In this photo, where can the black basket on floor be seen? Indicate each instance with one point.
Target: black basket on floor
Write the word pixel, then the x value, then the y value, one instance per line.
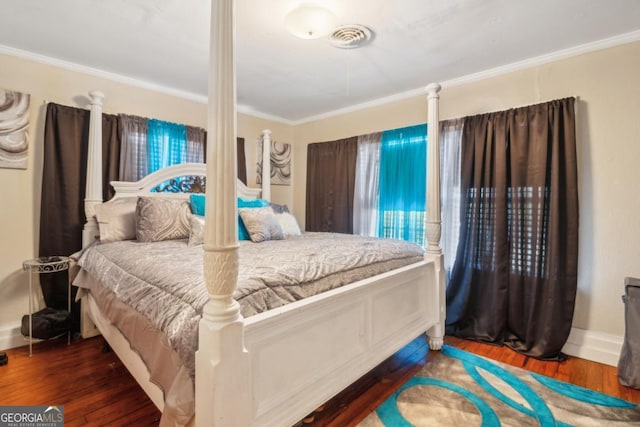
pixel 47 323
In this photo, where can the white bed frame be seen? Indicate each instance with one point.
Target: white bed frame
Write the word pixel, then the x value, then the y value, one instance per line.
pixel 274 368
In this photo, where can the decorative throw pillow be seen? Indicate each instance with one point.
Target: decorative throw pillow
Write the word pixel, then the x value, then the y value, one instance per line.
pixel 278 209
pixel 196 233
pixel 243 203
pixel 197 203
pixel 162 219
pixel 117 219
pixel 261 224
pixel 288 224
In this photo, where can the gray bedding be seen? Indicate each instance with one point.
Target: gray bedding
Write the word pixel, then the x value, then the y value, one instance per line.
pixel 163 283
pixel 164 280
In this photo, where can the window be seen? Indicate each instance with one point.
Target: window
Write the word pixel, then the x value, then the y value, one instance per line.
pixel 149 145
pixel 402 182
pixel 527 224
pixel 168 145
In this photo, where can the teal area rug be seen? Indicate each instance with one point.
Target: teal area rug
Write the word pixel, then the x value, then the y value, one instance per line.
pixel 457 388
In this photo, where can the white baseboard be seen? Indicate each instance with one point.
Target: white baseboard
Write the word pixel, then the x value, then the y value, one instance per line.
pixel 10 336
pixel 595 346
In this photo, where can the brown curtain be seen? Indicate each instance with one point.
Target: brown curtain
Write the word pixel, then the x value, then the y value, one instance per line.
pixel 63 186
pixel 330 185
pixel 515 275
pixel 242 161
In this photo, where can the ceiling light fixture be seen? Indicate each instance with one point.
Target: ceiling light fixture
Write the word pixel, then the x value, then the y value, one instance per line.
pixel 310 21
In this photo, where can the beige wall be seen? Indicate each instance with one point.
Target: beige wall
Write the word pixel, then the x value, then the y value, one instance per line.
pixel 607 85
pixel 20 192
pixel 279 132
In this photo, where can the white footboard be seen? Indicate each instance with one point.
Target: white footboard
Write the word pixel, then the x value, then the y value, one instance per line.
pixel 305 353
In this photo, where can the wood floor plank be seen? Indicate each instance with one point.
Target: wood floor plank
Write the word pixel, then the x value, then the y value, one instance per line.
pixel 564 371
pixel 579 372
pixel 81 377
pixel 610 383
pixel 97 390
pixel 146 415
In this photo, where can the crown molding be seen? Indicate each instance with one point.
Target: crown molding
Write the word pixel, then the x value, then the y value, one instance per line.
pixel 492 72
pixel 546 59
pixel 245 109
pixel 72 66
pixel 249 111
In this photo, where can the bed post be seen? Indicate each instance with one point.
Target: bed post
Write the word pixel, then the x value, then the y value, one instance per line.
pixel 93 189
pixel 266 164
pixel 433 218
pixel 93 194
pixel 222 363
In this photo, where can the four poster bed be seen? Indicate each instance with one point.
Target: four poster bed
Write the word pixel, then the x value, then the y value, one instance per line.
pixel 276 364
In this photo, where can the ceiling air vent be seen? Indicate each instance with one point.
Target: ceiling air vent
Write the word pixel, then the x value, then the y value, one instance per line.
pixel 350 36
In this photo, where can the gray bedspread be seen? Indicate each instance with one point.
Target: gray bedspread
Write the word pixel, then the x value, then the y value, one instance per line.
pixel 164 280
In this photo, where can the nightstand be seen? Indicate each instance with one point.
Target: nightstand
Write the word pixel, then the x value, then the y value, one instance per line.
pixel 42 265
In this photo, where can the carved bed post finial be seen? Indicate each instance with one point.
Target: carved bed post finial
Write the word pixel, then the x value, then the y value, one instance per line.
pixel 266 164
pixel 432 221
pixel 222 363
pixel 93 189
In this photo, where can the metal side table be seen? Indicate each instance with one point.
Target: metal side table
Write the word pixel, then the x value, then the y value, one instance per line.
pixel 51 264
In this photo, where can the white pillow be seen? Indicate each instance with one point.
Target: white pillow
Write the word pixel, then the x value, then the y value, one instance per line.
pixel 196 235
pixel 288 224
pixel 117 219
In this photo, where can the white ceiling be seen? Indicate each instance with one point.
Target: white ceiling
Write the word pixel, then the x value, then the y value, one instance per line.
pixel 164 43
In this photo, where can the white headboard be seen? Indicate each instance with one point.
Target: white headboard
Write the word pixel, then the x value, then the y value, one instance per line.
pixel 153 180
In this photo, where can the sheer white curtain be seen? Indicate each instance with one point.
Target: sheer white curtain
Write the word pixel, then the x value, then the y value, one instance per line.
pixel 195 145
pixel 134 157
pixel 450 140
pixel 365 197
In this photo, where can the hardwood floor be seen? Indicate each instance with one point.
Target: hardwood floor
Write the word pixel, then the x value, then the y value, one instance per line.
pixel 96 389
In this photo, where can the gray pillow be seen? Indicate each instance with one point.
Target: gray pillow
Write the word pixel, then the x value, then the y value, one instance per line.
pixel 261 224
pixel 162 219
pixel 278 209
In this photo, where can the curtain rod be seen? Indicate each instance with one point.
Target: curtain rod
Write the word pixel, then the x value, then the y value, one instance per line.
pixel 576 97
